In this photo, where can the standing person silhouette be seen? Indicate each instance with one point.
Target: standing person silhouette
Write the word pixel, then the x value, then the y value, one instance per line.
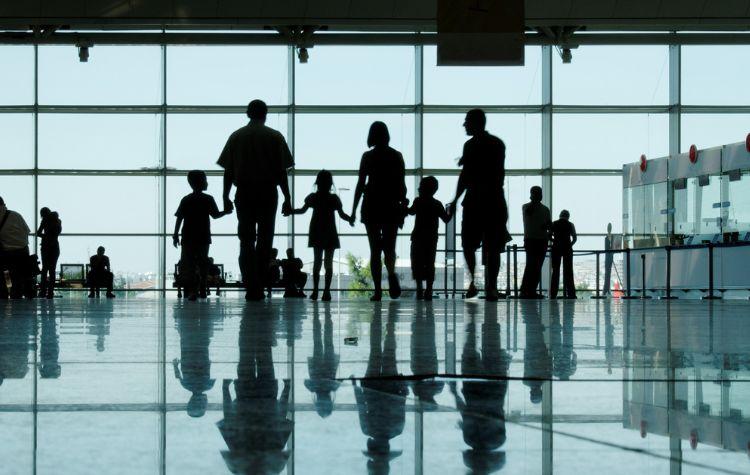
pixel 608 259
pixel 255 160
pixel 485 216
pixel 49 230
pixel 563 238
pixel 14 252
pixel 382 182
pixel 536 226
pixel 424 237
pixel 323 236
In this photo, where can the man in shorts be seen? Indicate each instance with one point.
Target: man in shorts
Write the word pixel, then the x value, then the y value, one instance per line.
pixel 485 214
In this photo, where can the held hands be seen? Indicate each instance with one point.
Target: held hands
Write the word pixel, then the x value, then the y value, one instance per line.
pixel 228 205
pixel 450 208
pixel 286 208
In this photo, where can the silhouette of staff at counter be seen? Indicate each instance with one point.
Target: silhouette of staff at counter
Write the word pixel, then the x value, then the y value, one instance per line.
pixel 481 409
pixel 381 401
pixel 255 425
pixel 323 364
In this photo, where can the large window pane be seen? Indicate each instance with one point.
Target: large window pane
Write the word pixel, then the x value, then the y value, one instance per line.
pixel 195 141
pixel 99 141
pixel 18 194
pixel 511 85
pixel 607 140
pixel 337 141
pixel 715 75
pixel 356 75
pixel 227 75
pixel 444 138
pixel 710 130
pixel 16 141
pixel 17 79
pixel 102 204
pixel 116 75
pixel 613 75
pixel 593 201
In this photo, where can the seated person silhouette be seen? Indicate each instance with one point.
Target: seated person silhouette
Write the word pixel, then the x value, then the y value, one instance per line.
pixel 214 276
pixel 293 278
pixel 100 274
pixel 274 271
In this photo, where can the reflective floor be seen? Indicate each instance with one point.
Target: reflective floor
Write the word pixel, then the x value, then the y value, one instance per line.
pixel 164 386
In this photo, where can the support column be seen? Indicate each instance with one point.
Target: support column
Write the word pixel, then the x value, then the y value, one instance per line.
pixel 547 125
pixel 675 110
pixel 290 137
pixel 162 188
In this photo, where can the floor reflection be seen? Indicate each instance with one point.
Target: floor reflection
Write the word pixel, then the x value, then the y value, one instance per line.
pixel 424 387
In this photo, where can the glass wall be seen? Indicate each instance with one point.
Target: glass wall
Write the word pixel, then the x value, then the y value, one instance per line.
pixel 107 143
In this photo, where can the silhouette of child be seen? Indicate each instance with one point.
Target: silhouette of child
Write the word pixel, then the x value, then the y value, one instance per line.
pixel 424 237
pixel 194 212
pixel 323 237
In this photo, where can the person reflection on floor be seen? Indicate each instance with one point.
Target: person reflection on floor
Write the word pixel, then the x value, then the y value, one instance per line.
pixel 609 337
pixel 193 368
pixel 15 332
pixel 323 365
pixel 564 359
pixel 381 401
pixel 424 359
pixel 537 363
pixel 98 320
pixel 49 345
pixel 255 425
pixel 482 413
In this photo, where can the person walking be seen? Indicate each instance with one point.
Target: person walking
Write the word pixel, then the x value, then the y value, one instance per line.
pixel 383 185
pixel 536 227
pixel 49 230
pixel 255 160
pixel 323 236
pixel 485 215
pixel 563 238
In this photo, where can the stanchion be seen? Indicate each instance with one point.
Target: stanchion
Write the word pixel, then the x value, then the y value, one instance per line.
pixel 507 271
pixel 711 295
pixel 515 271
pixel 668 286
pixel 643 278
pixel 598 294
pixel 628 293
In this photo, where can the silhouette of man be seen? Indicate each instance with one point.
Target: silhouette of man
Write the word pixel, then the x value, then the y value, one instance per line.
pixel 193 368
pixel 485 215
pixel 536 227
pixel 563 238
pixel 381 401
pixel 49 230
pixel 564 358
pixel 256 427
pixel 537 362
pixel 14 252
pixel 100 274
pixel 293 277
pixel 424 360
pixel 608 259
pixel 323 365
pixel 482 413
pixel 255 160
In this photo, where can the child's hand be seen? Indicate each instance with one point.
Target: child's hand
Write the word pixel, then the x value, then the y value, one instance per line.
pixel 351 221
pixel 176 240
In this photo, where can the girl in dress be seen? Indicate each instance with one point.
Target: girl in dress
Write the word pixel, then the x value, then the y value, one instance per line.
pixel 323 236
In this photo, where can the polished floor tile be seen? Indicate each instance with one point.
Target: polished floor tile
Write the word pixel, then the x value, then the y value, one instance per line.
pixel 153 385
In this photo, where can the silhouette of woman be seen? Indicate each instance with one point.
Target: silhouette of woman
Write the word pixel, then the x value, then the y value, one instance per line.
pixel 382 182
pixel 49 230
